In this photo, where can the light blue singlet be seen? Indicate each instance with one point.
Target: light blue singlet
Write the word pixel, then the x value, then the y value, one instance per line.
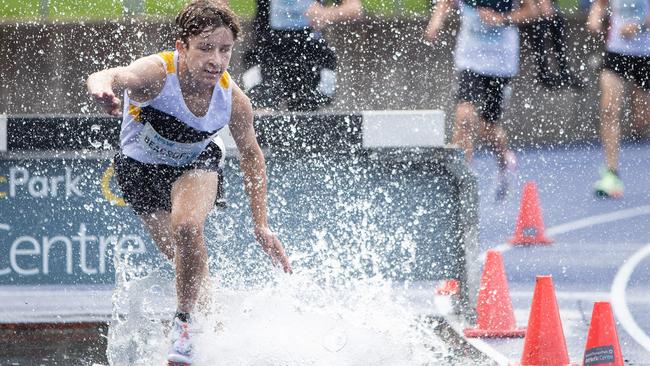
pixel 629 11
pixel 289 14
pixel 486 50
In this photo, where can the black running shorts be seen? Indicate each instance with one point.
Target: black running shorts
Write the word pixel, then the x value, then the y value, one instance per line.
pixel 630 68
pixel 291 71
pixel 485 92
pixel 147 187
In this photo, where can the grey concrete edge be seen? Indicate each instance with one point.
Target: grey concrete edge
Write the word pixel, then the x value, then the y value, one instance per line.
pixel 452 160
pixel 468 230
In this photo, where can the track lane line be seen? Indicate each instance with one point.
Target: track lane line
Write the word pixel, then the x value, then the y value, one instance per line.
pixel 599 219
pixel 619 299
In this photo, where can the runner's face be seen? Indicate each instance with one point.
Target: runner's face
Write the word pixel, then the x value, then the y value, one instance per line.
pixel 208 55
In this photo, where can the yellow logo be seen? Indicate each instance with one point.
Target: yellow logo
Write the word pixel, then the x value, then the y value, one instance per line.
pixel 3 180
pixel 106 188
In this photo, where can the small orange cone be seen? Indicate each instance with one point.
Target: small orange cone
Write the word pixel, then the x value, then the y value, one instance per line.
pixel 602 341
pixel 544 343
pixel 495 318
pixel 530 226
pixel 448 287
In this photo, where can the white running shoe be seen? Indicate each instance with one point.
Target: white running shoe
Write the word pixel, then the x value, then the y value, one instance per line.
pixel 180 352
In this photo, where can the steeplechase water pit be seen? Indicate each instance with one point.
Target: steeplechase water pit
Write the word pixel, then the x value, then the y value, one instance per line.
pixel 373 209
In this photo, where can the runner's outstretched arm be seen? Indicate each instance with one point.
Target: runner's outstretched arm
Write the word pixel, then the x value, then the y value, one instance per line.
pixel 322 16
pixel 254 168
pixel 596 16
pixel 437 20
pixel 144 78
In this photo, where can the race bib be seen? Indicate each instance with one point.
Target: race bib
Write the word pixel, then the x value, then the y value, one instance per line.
pixel 168 151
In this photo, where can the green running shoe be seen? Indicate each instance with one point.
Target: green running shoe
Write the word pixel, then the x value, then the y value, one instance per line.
pixel 609 185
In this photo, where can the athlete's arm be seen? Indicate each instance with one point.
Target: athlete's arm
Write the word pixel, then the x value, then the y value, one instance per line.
pixel 437 20
pixel 144 78
pixel 321 16
pixel 596 16
pixel 254 168
pixel 546 9
pixel 526 12
pixel 631 28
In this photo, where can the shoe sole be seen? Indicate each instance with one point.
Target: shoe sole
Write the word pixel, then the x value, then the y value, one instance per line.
pixel 603 194
pixel 174 360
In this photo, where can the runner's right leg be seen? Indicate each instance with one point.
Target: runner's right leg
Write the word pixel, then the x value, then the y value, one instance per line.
pixel 612 88
pixel 641 111
pixel 496 137
pixel 465 128
pixel 192 197
pixel 158 225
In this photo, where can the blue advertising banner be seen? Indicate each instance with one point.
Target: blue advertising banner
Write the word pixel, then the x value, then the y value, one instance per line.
pixel 340 216
pixel 62 221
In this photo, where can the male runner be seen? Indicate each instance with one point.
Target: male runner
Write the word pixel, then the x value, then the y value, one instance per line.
pixel 627 60
pixel 290 65
pixel 486 59
pixel 175 103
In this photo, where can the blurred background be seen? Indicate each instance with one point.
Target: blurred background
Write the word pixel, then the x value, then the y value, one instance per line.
pixel 49 48
pixel 94 9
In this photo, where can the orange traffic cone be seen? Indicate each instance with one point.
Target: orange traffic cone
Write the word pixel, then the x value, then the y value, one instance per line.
pixel 544 343
pixel 530 226
pixel 495 318
pixel 602 341
pixel 448 287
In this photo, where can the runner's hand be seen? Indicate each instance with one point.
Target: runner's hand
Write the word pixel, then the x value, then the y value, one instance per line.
pixel 272 246
pixel 491 17
pixel 630 30
pixel 107 101
pixel 318 16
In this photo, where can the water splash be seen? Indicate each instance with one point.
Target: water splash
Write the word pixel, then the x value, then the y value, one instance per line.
pixel 293 321
pixel 347 301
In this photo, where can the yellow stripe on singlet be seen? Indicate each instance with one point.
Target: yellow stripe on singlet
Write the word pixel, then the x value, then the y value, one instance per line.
pixel 168 56
pixel 135 112
pixel 224 82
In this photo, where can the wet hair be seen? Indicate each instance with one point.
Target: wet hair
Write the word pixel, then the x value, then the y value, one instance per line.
pixel 199 16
